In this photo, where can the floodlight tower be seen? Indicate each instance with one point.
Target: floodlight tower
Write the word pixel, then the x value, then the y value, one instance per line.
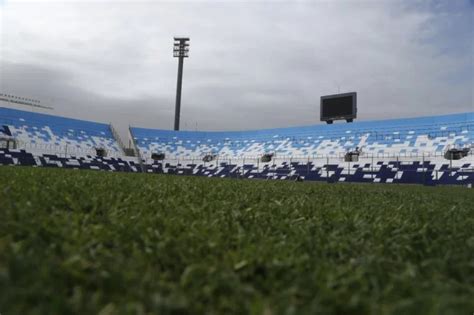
pixel 181 51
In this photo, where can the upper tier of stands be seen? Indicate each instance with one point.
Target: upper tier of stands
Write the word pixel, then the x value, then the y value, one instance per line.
pixel 385 137
pixel 47 133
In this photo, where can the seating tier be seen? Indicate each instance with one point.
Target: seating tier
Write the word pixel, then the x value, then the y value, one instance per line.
pixel 41 133
pixel 386 137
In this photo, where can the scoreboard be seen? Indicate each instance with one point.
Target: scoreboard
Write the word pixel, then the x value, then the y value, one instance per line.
pixel 339 107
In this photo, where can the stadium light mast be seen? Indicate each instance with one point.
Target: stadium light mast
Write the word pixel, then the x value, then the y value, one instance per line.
pixel 181 51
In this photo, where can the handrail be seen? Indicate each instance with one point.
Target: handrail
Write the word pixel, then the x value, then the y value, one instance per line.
pixel 136 150
pixel 61 150
pixel 426 154
pixel 117 138
pixel 401 158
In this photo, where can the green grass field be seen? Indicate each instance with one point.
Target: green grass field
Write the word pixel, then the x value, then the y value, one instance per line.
pixel 85 242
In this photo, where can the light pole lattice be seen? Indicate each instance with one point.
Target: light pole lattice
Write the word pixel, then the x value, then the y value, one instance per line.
pixel 181 51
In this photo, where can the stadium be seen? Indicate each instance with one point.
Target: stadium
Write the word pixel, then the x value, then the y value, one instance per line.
pixel 424 150
pixel 347 215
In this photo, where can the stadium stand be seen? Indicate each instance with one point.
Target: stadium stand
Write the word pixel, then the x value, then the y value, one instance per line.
pixel 415 150
pixel 21 157
pixel 390 151
pixel 42 134
pixel 379 138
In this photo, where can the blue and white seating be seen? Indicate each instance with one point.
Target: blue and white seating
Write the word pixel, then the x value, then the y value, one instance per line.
pixel 390 171
pixel 392 151
pixel 48 134
pixel 395 171
pixel 21 157
pixel 413 136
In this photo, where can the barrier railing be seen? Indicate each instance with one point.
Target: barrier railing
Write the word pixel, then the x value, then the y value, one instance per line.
pixel 316 161
pixel 63 151
pixel 339 155
pixel 73 150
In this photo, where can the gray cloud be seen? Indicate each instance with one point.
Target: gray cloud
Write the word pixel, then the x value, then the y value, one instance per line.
pixel 55 88
pixel 252 65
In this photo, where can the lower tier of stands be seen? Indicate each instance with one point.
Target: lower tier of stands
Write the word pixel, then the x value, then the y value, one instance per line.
pixel 21 157
pixel 427 171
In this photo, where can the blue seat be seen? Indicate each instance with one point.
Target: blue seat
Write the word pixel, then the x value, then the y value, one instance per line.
pixel 414 135
pixel 41 132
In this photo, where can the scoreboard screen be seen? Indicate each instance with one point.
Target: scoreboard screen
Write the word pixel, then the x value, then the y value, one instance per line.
pixel 339 106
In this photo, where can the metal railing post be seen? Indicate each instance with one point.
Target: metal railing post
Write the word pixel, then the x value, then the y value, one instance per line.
pixel 372 169
pixel 327 169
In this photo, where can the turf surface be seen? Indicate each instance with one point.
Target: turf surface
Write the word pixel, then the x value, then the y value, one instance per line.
pixel 85 242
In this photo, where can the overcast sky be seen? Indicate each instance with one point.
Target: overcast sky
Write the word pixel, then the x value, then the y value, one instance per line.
pixel 253 64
